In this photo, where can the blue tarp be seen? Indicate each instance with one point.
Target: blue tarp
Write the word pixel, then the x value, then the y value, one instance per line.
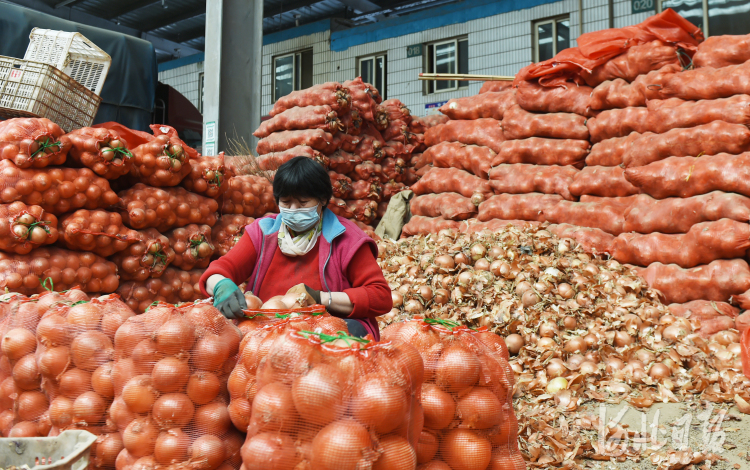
pixel 128 92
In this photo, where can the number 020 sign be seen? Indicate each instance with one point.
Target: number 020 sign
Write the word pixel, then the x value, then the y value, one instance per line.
pixel 639 6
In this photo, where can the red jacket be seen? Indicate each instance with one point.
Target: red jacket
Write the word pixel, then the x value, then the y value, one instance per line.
pixel 346 262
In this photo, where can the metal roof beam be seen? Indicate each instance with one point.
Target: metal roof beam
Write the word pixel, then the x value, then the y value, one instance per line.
pixel 287 7
pixel 363 6
pixel 186 35
pixel 132 6
pixel 173 19
pixel 67 3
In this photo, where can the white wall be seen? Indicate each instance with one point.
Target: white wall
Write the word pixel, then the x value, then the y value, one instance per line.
pixel 498 45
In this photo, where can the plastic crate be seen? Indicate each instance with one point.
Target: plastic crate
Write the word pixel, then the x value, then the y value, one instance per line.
pixel 68 451
pixel 33 89
pixel 72 53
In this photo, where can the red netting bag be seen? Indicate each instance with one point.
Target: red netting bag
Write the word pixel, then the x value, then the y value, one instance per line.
pixel 521 179
pixel 161 162
pixel 368 149
pixel 23 228
pixel 170 406
pixel 419 225
pixel 56 190
pixel 451 180
pixel 637 60
pixel 273 161
pixel 343 162
pixel 390 189
pixel 365 171
pixel 393 169
pixel 722 51
pixel 208 176
pixel 419 125
pixel 174 286
pixel 570 99
pixel 493 226
pixel 192 246
pixel 678 215
pixel 335 402
pixel 620 94
pixel 609 152
pixel 75 357
pixel 418 160
pixel 342 185
pixel 711 317
pixel 604 181
pixel 33 142
pixel 592 240
pixel 484 132
pixel 318 139
pixel 521 124
pixel 703 243
pixel 717 281
pixel 166 208
pixel 540 151
pixel 397 131
pixel 707 83
pixel 350 143
pixel 100 232
pixel 467 396
pixel 228 231
pixel 363 97
pixel 494 86
pixel 395 110
pixel 619 123
pixel 147 257
pixel 366 189
pixel 691 176
pixel 310 117
pixel 102 150
pixel 532 206
pixel 57 269
pixel 607 214
pixel 330 94
pixel 472 158
pixel 249 195
pixel 363 210
pixel 491 105
pixel 675 113
pixel 450 206
pixel 708 139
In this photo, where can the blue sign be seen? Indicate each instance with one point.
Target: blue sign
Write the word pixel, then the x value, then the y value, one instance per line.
pixel 434 105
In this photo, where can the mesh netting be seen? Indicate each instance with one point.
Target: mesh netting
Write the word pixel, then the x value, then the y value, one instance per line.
pixel 23 228
pixel 33 142
pixel 228 231
pixel 102 150
pixel 98 231
pixel 167 208
pixel 208 176
pixel 173 286
pixel 161 162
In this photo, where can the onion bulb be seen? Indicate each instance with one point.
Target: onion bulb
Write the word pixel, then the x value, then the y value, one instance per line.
pixel 479 409
pixel 514 342
pixel 659 371
pixel 106 450
pixel 89 408
pixel 17 343
pixel 318 395
pixel 458 444
pixel 170 374
pixel 171 447
pixel 61 412
pixel 140 437
pixel 557 384
pixel 396 454
pixel 439 407
pixel 203 387
pixel 174 336
pixel 445 263
pixel 269 450
pixel 173 410
pixel 340 445
pixel 139 394
pixel 378 403
pixel 457 369
pixel 206 453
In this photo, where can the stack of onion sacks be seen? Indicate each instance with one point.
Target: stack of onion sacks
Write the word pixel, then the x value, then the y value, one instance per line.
pixel 170 405
pixel 260 328
pixel 469 422
pixel 335 402
pixel 75 358
pixel 20 392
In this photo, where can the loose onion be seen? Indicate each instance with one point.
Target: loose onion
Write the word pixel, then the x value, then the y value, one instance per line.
pixel 139 394
pixel 170 374
pixel 613 365
pixel 397 298
pixel 17 343
pixel 529 299
pixel 274 304
pixel 439 407
pixel 269 450
pixel 659 371
pixel 341 445
pixel 377 403
pixel 318 395
pixel 514 342
pixel 557 384
pixel 413 307
pixel 396 454
pixel 445 263
pixel 203 387
pixel 462 259
pixel 457 369
pixel 463 449
pixel 575 345
pixel 479 409
pixel 140 437
pixel 173 410
pixel 442 296
pixel 206 453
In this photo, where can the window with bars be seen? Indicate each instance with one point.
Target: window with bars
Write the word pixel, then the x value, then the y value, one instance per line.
pixel 550 37
pixel 292 72
pixel 450 56
pixel 374 70
pixel 714 17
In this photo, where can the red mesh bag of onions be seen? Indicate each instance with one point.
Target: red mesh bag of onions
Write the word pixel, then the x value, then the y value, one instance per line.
pixel 330 94
pixel 170 406
pixel 541 151
pixel 208 176
pixel 484 132
pixel 495 86
pixel 531 206
pixel 521 124
pixel 603 181
pixel 273 161
pixel 161 162
pixel 76 358
pixel 419 225
pixel 102 150
pixel 249 195
pixel 451 180
pixel 592 240
pixel 675 113
pixel 707 83
pixel 228 231
pixel 521 178
pixel 619 123
pixel 618 93
pixel 309 117
pixel 98 231
pixel 472 158
pixel 318 139
pixel 57 269
pixel 635 61
pixel 192 246
pixel 23 228
pixel 335 402
pixel 713 316
pixel 24 407
pixel 537 98
pixel 166 208
pixel 363 210
pixel 609 152
pixel 56 190
pixel 147 257
pixel 467 396
pixel 419 125
pixel 450 206
pixel 33 142
pixel 485 105
pixel 722 51
pixel 173 286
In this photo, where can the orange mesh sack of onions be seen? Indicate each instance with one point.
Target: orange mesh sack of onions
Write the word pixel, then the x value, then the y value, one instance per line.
pixel 23 228
pixel 98 231
pixel 173 286
pixel 33 142
pixel 228 231
pixel 75 355
pixel 162 161
pixel 469 422
pixel 335 402
pixel 146 258
pixel 24 407
pixel 170 405
pixel 192 246
pixel 102 150
pixel 208 176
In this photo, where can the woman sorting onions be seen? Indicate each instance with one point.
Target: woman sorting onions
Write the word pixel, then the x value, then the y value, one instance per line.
pixel 305 244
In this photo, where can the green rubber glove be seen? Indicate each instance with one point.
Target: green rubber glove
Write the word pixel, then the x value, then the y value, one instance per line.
pixel 228 299
pixel 315 294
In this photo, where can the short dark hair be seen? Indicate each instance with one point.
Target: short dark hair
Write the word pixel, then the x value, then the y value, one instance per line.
pixel 302 177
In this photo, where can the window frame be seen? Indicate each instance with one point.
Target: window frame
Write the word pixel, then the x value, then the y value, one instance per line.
pixel 535 33
pixel 384 71
pixel 432 59
pixel 294 56
pixel 201 84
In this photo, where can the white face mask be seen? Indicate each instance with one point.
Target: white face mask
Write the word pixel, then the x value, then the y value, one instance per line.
pixel 301 219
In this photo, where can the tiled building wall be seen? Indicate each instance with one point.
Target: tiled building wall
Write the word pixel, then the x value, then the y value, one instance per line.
pixel 498 45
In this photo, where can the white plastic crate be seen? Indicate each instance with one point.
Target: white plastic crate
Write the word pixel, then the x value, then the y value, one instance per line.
pixel 72 53
pixel 68 451
pixel 33 89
